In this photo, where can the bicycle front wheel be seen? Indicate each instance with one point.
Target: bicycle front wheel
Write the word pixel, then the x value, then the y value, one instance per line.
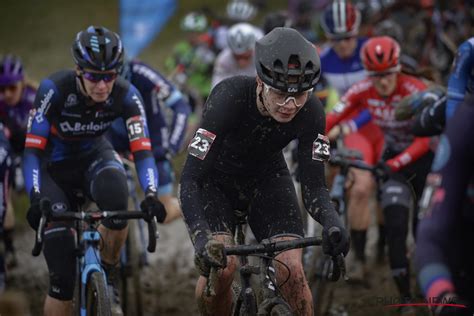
pixel 97 302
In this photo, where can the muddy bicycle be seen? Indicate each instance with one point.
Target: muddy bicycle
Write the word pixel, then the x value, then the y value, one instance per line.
pixel 269 301
pixel 92 297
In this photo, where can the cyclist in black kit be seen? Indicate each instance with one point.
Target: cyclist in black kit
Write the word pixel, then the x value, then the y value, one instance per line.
pixel 235 162
pixel 66 152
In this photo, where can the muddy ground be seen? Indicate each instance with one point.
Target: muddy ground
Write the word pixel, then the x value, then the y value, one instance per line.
pixel 168 283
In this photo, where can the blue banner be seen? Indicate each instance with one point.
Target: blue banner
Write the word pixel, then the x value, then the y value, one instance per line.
pixel 141 21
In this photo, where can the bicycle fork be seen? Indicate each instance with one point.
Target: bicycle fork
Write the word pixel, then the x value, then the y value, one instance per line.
pixel 271 296
pixel 90 263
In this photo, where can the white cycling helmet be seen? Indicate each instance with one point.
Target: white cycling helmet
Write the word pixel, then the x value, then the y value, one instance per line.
pixel 241 10
pixel 241 38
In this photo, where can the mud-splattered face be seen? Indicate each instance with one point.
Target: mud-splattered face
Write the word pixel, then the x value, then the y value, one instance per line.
pixel 280 105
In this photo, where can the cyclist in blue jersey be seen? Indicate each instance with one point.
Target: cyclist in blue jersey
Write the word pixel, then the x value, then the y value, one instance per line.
pixel 445 266
pixel 342 67
pixel 461 80
pixel 66 152
pixel 159 96
pixel 340 62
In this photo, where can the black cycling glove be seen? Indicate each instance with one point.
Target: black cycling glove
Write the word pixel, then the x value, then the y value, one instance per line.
pixel 152 206
pixel 34 214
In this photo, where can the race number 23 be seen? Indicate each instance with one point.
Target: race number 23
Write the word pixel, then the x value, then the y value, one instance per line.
pixel 321 148
pixel 201 143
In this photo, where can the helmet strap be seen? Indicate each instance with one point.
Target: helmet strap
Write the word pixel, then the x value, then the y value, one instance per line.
pixel 82 87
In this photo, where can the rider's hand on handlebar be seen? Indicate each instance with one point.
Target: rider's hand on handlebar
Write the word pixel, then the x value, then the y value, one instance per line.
pixel 209 254
pixel 337 130
pixel 34 213
pixel 152 206
pixel 382 170
pixel 336 240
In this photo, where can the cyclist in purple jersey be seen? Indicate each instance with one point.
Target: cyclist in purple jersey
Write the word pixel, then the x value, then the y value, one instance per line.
pixel 159 96
pixel 5 162
pixel 16 100
pixel 443 259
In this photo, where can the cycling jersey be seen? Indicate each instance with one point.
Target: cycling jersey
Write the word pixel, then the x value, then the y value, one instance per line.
pixel 226 66
pixel 67 126
pixel 195 62
pixel 236 140
pixel 461 80
pixel 342 73
pixel 380 110
pixel 15 117
pixel 158 96
pixel 444 260
pixel 5 164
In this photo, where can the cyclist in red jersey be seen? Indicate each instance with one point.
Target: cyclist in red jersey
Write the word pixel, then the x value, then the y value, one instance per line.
pixel 407 158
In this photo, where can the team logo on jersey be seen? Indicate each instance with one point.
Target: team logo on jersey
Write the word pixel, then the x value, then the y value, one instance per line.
pixel 31 116
pixel 201 143
pixel 71 100
pixel 321 148
pixel 59 207
pixel 44 106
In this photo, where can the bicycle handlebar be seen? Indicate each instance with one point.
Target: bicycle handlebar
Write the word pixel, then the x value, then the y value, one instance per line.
pixel 272 247
pixel 267 247
pixel 91 217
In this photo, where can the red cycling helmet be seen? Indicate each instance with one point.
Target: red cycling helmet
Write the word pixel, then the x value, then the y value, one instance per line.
pixel 381 54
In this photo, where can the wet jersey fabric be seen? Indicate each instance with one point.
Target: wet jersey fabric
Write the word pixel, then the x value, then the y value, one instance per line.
pixel 65 125
pixel 381 110
pixel 341 74
pixel 236 141
pixel 159 95
pixel 461 80
pixel 443 258
pixel 15 117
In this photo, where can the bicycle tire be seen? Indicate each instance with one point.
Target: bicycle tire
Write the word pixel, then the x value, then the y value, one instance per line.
pixel 249 309
pixel 281 310
pixel 97 301
pixel 321 289
pixel 131 288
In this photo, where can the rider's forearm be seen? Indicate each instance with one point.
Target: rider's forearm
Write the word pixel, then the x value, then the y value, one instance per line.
pixel 31 170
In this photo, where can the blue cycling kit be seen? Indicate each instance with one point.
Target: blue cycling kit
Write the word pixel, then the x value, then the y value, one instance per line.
pixel 461 80
pixel 158 96
pixel 444 262
pixel 68 126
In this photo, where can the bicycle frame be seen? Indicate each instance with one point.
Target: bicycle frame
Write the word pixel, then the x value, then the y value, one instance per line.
pixel 88 241
pixel 89 262
pixel 271 298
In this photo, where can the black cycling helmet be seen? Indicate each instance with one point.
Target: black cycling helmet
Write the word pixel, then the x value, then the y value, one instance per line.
pixel 98 48
pixel 285 52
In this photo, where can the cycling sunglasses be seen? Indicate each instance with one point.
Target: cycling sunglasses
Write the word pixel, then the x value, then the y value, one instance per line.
pixel 11 88
pixel 379 75
pixel 96 77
